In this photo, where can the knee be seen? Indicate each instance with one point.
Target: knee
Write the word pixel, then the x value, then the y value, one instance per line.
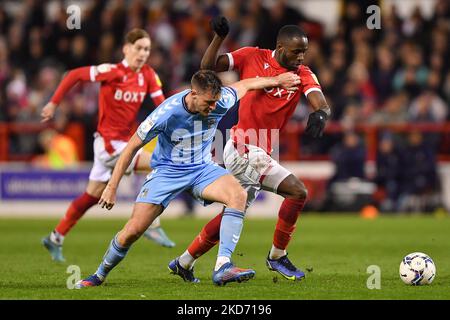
pixel 238 198
pixel 299 192
pixel 131 234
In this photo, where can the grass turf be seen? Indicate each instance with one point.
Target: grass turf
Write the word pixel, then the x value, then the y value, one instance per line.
pixel 335 249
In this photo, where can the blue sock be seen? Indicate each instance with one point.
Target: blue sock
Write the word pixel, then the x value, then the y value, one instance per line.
pixel 112 257
pixel 230 231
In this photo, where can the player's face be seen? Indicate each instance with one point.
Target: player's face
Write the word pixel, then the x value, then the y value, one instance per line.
pixel 204 102
pixel 137 53
pixel 292 52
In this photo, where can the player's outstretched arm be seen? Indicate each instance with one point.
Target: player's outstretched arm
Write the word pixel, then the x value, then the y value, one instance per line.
pixel 286 80
pixel 108 198
pixel 209 61
pixel 89 73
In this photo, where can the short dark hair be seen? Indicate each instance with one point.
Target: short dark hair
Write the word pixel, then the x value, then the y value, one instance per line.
pixel 207 80
pixel 290 31
pixel 135 34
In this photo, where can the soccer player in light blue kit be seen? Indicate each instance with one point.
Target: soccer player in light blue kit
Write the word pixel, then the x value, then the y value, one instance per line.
pixel 185 124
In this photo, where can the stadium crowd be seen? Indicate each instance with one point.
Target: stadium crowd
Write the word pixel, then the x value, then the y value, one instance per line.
pixel 393 75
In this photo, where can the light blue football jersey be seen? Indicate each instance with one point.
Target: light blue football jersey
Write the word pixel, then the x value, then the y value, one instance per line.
pixel 184 138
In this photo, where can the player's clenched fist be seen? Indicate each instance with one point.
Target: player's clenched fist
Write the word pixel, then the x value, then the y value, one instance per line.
pixel 288 81
pixel 220 26
pixel 316 123
pixel 108 198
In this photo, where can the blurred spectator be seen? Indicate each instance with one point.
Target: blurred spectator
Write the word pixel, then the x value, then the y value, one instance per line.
pixel 388 176
pixel 280 14
pixel 428 107
pixel 419 176
pixel 394 110
pixel 412 76
pixel 349 158
pixel 383 73
pixel 59 151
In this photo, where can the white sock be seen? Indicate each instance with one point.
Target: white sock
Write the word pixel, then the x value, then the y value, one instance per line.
pixel 276 253
pixel 220 262
pixel 56 237
pixel 186 260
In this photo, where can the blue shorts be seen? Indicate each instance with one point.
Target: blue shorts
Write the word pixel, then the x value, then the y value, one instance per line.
pixel 164 183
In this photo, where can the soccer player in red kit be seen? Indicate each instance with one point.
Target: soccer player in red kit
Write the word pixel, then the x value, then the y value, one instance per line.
pixel 123 88
pixel 262 113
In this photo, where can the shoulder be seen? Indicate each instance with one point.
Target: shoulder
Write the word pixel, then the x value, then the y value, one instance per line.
pixel 150 73
pixel 147 69
pixel 304 69
pixel 246 51
pixel 109 72
pixel 172 103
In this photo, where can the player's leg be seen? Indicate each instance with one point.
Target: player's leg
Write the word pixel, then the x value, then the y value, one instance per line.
pixel 98 177
pixel 154 232
pixel 143 215
pixel 160 187
pixel 76 210
pixel 284 183
pixel 217 185
pixel 238 165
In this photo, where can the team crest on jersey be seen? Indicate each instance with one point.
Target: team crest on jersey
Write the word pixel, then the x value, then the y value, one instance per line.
pixel 158 80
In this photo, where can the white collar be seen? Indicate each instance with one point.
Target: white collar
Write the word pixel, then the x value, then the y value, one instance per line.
pixel 125 63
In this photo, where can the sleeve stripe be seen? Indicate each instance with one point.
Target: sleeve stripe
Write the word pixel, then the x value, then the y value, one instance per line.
pixel 230 61
pixel 156 93
pixel 311 90
pixel 233 91
pixel 92 73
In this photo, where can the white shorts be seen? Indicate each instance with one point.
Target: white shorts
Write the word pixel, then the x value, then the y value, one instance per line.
pixel 104 162
pixel 254 169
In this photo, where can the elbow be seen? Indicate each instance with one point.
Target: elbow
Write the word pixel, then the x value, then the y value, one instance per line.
pixel 206 66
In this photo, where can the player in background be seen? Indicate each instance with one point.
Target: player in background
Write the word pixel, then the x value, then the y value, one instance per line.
pixel 247 155
pixel 123 88
pixel 185 125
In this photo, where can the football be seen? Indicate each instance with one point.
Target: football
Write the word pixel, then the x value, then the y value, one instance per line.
pixel 417 269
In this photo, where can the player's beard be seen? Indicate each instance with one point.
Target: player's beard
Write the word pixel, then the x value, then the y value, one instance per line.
pixel 285 63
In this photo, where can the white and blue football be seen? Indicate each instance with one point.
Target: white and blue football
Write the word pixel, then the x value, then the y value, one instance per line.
pixel 417 269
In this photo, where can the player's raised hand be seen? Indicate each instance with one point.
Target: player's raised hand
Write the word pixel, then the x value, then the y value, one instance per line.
pixel 48 112
pixel 316 123
pixel 108 198
pixel 220 26
pixel 289 81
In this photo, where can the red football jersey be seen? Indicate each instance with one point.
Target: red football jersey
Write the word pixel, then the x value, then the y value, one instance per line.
pixel 122 92
pixel 262 113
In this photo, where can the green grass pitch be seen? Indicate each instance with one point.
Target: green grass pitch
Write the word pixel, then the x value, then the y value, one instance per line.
pixel 335 249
